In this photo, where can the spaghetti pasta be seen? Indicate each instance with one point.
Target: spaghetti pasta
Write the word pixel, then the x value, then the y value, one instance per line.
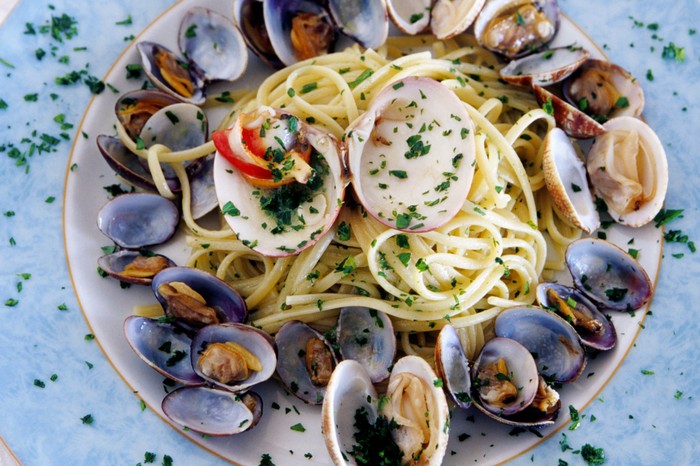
pixel 490 256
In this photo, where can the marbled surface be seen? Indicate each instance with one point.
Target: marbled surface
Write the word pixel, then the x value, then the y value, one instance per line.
pixel 53 375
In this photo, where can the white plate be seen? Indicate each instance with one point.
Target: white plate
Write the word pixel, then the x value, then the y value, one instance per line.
pixel 105 305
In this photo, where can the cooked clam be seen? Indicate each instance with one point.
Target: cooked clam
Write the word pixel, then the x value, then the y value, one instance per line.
pixel 544 68
pixel 451 17
pixel 420 180
pixel 410 16
pixel 628 170
pixel 132 266
pixel 608 275
pixel 565 177
pixel 604 90
pixel 573 121
pixel 364 21
pixel 170 73
pixel 516 27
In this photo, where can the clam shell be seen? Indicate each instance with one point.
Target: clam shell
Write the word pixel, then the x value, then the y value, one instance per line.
pixel 115 263
pixel 211 411
pixel 451 17
pixel 148 51
pixel 410 16
pixel 135 220
pixel 249 18
pixel 565 177
pixel 553 342
pixel 452 366
pixel 367 336
pixel 569 118
pixel 629 171
pixel 544 68
pixel 364 21
pixel 608 275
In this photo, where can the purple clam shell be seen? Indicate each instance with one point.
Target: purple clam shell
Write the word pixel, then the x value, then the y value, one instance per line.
pixel 249 337
pixel 135 220
pixel 554 343
pixel 367 336
pixel 218 294
pixel 162 346
pixel 211 411
pixel 602 341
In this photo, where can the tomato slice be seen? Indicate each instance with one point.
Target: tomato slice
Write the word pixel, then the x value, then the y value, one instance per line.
pixel 220 139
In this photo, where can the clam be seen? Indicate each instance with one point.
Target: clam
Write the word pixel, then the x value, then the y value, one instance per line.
pixel 279 181
pixel 604 90
pixel 596 330
pixel 367 336
pixel 212 47
pixel 232 356
pixel 128 165
pixel 573 121
pixel 451 17
pixel 350 391
pixel 554 343
pixel 298 29
pixel 133 266
pixel 628 170
pixel 410 16
pixel 452 366
pixel 196 298
pixel 202 189
pixel 134 108
pixel 607 275
pixel 411 159
pixel 565 177
pixel 163 346
pixel 504 378
pixel 211 411
pixel 306 361
pixel 250 20
pixel 364 21
pixel 135 220
pixel 419 407
pixel 544 68
pixel 516 27
pixel 178 126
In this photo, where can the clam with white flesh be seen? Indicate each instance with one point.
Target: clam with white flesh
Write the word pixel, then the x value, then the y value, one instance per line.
pixel 410 16
pixel 544 68
pixel 452 366
pixel 604 90
pixel 214 412
pixel 451 17
pixel 628 170
pixel 554 343
pixel 364 21
pixel 565 177
pixel 367 336
pixel 607 275
pixel 516 27
pixel 232 356
pixel 596 330
pixel 279 181
pixel 411 155
pixel 419 407
pixel 573 121
pixel 306 361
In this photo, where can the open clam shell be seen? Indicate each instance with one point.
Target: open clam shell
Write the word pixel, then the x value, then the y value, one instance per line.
pixel 452 366
pixel 132 266
pixel 170 73
pixel 410 16
pixel 420 181
pixel 628 170
pixel 216 364
pixel 367 336
pixel 163 346
pixel 544 68
pixel 295 342
pixel 214 412
pixel 573 121
pixel 516 27
pixel 605 90
pixel 565 177
pixel 250 20
pixel 608 275
pixel 213 44
pixel 349 390
pixel 364 21
pixel 451 17
pixel 134 108
pixel 550 339
pixel 596 330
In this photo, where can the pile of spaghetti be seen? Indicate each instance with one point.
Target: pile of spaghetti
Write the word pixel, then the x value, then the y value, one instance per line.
pixel 490 256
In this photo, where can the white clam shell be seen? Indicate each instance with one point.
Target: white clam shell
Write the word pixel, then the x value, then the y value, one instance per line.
pixel 544 68
pixel 565 177
pixel 452 17
pixel 629 156
pixel 410 16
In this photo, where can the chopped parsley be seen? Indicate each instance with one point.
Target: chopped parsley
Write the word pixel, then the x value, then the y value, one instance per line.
pixel 374 445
